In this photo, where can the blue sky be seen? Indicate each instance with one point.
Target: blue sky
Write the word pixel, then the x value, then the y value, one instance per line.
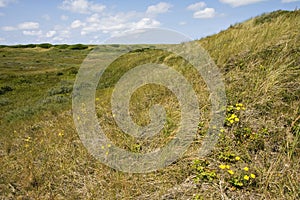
pixel 93 21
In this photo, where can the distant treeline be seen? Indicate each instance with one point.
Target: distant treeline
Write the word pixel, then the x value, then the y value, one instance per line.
pixel 48 45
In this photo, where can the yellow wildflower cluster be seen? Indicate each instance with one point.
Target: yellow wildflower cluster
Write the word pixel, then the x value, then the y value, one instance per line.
pixel 232 113
pixel 231 172
pixel 233 118
pixel 224 166
pixel 239 106
pixel 238 178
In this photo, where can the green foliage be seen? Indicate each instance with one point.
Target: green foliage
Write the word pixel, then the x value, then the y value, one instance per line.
pixel 198 197
pixel 202 171
pixel 24 113
pixel 64 89
pixel 78 47
pixel 73 71
pixel 45 45
pixel 227 157
pixel 5 89
pixel 62 46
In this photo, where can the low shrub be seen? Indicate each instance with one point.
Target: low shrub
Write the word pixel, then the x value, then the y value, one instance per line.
pixel 5 89
pixel 78 47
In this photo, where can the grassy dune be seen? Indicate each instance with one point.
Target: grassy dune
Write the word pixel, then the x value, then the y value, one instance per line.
pixel 257 156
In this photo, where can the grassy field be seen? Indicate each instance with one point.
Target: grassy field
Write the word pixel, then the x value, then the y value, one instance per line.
pixel 257 156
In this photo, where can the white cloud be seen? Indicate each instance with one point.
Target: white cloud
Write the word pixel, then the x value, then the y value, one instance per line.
pixel 197 6
pixel 145 23
pixel 204 14
pixel 117 24
pixel 62 35
pixel 82 6
pixel 4 3
pixel 28 25
pixel 95 18
pixel 46 17
pixel 182 23
pixel 22 26
pixel 8 28
pixel 161 7
pixel 77 24
pixel 33 33
pixel 236 3
pixel 50 34
pixel 289 1
pixel 64 17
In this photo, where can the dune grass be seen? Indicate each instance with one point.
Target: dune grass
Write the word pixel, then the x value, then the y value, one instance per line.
pixel 257 156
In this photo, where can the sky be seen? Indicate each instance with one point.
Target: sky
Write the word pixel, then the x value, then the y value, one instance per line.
pixel 95 21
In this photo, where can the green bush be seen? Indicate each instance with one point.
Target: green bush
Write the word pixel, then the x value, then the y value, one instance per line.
pixel 78 47
pixel 61 46
pixel 45 45
pixel 5 89
pixel 73 70
pixel 24 46
pixel 60 90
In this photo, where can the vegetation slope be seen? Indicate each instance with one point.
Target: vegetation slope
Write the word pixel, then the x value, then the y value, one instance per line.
pixel 257 156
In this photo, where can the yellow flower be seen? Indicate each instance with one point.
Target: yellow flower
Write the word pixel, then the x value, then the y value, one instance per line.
pixel 222 166
pixel 238 108
pixel 60 134
pixel 246 169
pixel 252 176
pixel 231 121
pixel 237 119
pixel 227 166
pixel 237 158
pixel 222 130
pixel 239 105
pixel 230 171
pixel 109 145
pixel 97 99
pixel 246 177
pixel 102 147
pixel 239 184
pixel 28 139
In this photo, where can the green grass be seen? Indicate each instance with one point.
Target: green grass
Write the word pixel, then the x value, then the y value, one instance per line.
pixel 42 157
